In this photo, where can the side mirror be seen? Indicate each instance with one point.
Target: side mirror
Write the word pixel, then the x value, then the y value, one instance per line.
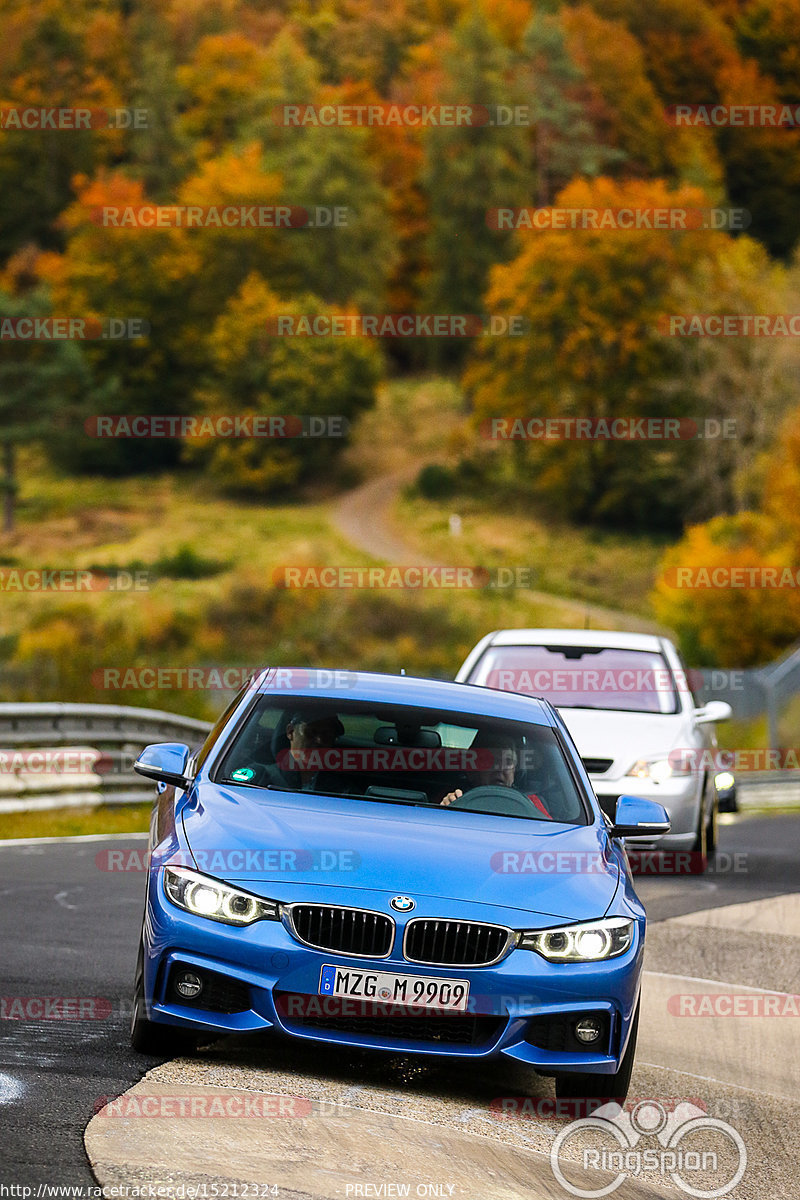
pixel 637 817
pixel 715 710
pixel 164 762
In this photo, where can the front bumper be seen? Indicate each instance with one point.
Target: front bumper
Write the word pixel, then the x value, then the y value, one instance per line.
pixel 522 1007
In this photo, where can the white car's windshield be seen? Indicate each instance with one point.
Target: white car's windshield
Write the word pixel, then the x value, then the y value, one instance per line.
pixel 582 676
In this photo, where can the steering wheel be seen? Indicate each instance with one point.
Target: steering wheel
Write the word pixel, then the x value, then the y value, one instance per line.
pixel 494 798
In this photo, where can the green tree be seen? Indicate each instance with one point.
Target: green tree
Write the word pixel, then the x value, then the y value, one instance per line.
pixel 53 67
pixel 330 171
pixel 468 170
pixel 564 141
pixel 594 300
pixel 39 380
pixel 257 372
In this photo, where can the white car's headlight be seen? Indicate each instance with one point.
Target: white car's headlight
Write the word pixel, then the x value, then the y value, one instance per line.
pixel 657 769
pixel 724 781
pixel 207 897
pixel 591 942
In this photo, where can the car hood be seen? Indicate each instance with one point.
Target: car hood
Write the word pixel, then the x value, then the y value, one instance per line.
pixel 285 839
pixel 625 737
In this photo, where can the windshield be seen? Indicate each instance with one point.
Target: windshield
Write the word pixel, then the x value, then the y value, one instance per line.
pixel 387 753
pixel 582 676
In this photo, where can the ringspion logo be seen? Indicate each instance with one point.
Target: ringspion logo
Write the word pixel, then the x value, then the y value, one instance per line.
pixel 692 1149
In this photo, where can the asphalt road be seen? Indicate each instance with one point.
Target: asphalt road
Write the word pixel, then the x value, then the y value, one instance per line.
pixel 68 929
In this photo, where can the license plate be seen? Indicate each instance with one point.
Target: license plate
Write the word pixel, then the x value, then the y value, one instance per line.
pixel 417 991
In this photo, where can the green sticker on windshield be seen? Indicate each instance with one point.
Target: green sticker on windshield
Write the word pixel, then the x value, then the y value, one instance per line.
pixel 242 774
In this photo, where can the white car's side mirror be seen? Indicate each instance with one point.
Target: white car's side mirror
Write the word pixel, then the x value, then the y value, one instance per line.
pixel 715 710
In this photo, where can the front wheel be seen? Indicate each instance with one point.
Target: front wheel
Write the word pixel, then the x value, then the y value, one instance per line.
pixel 711 831
pixel 705 842
pixel 579 1084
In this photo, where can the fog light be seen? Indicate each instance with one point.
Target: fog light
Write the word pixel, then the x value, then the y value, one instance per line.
pixel 588 1030
pixel 189 985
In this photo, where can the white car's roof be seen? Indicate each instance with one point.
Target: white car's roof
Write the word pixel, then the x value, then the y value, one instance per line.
pixel 576 637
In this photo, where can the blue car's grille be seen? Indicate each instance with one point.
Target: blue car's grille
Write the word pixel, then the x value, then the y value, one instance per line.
pixel 355 931
pixel 455 943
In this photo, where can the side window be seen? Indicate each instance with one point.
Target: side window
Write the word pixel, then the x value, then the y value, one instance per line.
pixel 221 722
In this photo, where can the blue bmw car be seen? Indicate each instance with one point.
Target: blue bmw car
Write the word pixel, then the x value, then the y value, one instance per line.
pixel 393 863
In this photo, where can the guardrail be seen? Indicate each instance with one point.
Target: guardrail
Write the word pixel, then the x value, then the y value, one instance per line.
pixel 59 755
pixel 768 789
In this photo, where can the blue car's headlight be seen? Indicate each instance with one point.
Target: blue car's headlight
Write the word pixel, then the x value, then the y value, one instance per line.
pixel 207 897
pixel 591 942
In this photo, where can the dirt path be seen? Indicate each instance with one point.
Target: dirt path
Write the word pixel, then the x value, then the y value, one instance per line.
pixel 365 517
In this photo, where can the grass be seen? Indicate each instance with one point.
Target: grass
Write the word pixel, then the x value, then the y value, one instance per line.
pixel 423 420
pixel 222 606
pixel 610 570
pixel 413 420
pixel 72 822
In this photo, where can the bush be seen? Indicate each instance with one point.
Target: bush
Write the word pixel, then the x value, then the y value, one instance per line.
pixel 436 482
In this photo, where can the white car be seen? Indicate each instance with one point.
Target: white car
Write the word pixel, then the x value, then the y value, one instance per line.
pixel 626 700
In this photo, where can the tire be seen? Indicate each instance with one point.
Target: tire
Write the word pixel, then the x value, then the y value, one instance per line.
pixel 148 1037
pixel 584 1084
pixel 700 846
pixel 711 828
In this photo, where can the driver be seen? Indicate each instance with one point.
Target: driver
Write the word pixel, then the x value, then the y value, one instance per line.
pixel 502 771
